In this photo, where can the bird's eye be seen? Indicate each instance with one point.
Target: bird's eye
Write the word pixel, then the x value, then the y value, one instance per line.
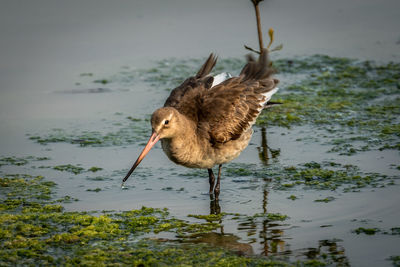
pixel 166 122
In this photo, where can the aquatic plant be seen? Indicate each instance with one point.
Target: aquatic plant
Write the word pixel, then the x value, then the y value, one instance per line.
pixel 20 161
pixel 325 200
pixel 69 168
pixel 37 231
pixel 342 96
pixel 324 176
pixel 129 132
pixel 395 260
pixel 367 231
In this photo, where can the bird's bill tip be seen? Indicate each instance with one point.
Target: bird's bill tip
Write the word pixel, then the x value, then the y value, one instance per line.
pixel 152 141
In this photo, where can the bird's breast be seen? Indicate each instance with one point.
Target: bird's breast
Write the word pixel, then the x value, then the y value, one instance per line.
pixel 195 153
pixel 184 152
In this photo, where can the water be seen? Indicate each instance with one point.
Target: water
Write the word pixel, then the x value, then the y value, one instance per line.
pixel 51 49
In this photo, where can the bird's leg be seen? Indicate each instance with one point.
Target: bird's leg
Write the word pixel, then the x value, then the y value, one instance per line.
pixel 217 186
pixel 211 180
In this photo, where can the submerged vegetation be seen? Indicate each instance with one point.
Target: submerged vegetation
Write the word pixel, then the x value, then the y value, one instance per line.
pixel 130 131
pixel 367 231
pixel 35 231
pixel 20 161
pixel 356 103
pixel 375 230
pixel 395 260
pixel 326 175
pixel 75 169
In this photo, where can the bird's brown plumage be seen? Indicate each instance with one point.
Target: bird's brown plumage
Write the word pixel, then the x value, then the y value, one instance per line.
pixel 192 83
pixel 224 112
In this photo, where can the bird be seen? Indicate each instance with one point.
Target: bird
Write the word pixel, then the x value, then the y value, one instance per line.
pixel 207 121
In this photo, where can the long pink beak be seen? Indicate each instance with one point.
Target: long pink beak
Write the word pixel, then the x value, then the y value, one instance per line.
pixel 152 141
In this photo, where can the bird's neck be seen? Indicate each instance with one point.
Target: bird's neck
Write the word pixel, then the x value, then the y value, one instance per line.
pixel 183 147
pixel 186 128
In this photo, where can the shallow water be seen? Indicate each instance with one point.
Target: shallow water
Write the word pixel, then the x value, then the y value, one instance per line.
pixel 52 59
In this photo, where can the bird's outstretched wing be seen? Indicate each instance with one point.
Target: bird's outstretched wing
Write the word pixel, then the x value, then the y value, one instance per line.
pixel 224 112
pixel 192 85
pixel 229 109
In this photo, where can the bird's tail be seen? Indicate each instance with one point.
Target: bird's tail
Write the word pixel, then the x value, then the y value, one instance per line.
pixel 261 71
pixel 257 69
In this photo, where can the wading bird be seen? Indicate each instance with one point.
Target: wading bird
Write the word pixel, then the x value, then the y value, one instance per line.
pixel 207 121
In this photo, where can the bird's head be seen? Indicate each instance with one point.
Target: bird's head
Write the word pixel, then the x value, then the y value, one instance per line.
pixel 164 122
pixel 164 125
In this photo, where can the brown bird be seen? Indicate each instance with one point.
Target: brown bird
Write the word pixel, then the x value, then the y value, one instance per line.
pixel 206 121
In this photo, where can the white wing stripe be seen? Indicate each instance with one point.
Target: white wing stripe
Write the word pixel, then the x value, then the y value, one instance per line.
pixel 220 78
pixel 269 94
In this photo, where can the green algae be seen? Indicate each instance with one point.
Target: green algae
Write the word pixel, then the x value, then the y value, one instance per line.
pixel 133 119
pixel 367 231
pixel 98 178
pixel 65 199
pixel 395 260
pixel 37 231
pixel 341 95
pixel 20 161
pixel 21 189
pixel 168 188
pixel 395 231
pixel 325 200
pixel 97 189
pixel 69 168
pixel 240 169
pixel 324 175
pixel 75 169
pixel 94 169
pixel 102 81
pixel 13 161
pixel 209 218
pixel 129 132
pixel 156 254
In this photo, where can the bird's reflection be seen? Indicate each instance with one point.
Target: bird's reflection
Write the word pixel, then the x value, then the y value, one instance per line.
pixel 227 241
pixel 262 233
pixel 270 239
pixel 264 151
pixel 330 250
pixel 215 208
